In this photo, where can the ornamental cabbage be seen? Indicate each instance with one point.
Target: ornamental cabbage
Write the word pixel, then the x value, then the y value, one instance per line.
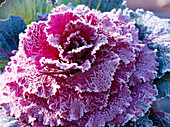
pixel 81 67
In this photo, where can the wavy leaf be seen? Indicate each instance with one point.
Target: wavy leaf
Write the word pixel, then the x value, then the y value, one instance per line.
pixel 94 79
pixel 7 121
pixel 141 122
pixel 153 119
pixel 26 8
pixel 155 31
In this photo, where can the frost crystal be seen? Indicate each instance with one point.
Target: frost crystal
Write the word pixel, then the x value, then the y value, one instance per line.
pixel 80 68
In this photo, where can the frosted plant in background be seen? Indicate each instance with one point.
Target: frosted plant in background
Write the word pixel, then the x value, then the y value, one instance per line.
pixel 82 67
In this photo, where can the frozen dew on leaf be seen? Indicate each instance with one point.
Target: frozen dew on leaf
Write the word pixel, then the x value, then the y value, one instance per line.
pixel 79 68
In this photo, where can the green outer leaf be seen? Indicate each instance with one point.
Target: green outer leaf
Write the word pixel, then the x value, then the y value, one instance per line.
pixel 25 8
pixel 152 118
pixel 162 104
pixel 102 5
pixel 159 121
pixel 155 32
pixel 163 85
pixel 141 122
pixel 2 65
pixel 9 39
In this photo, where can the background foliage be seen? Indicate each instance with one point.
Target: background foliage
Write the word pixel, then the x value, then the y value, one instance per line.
pixel 26 8
pixel 102 5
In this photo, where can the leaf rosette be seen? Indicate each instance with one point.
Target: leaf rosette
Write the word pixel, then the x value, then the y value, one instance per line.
pixel 82 67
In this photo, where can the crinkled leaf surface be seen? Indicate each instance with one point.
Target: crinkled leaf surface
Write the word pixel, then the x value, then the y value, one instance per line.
pixel 94 79
pixel 26 8
pixel 102 5
pixel 9 36
pixel 151 120
pixel 141 122
pixel 7 121
pixel 156 33
pixel 114 111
